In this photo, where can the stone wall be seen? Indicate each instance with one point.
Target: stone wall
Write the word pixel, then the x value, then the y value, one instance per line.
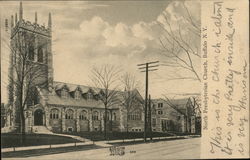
pixel 78 125
pixel 56 125
pixel 96 124
pixel 135 124
pixel 70 125
pixel 84 125
pixel 61 124
pixel 131 125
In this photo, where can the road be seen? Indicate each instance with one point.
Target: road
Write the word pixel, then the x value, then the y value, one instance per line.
pixel 176 149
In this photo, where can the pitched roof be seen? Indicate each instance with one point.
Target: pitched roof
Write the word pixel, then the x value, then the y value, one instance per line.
pixel 157 100
pixel 54 99
pixel 178 104
pixel 71 87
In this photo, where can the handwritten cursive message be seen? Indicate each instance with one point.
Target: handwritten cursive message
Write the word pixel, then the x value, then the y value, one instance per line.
pixel 225 84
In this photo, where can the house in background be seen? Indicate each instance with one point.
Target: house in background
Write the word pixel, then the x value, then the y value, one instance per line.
pixel 176 115
pixel 188 106
pixel 165 118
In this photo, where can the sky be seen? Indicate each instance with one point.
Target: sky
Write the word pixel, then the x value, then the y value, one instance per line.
pixel 123 34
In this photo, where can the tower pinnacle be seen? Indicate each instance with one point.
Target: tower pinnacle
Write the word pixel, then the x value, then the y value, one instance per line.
pixel 35 17
pixel 15 18
pixel 50 21
pixel 12 21
pixel 21 11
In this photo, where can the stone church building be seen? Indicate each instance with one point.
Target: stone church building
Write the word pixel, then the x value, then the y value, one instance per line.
pixel 63 107
pixel 58 106
pixel 78 108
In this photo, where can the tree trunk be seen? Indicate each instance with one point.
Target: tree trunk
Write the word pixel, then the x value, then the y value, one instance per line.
pixel 105 122
pixel 22 129
pixel 127 122
pixel 111 122
pixel 21 114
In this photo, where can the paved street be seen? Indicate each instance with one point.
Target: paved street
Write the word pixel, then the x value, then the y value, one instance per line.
pixel 176 149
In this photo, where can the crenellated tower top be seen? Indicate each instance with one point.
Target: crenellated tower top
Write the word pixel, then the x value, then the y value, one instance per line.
pixel 21 23
pixel 38 41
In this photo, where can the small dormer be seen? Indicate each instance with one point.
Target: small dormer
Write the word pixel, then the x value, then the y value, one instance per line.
pixel 78 93
pixel 90 94
pixel 64 92
pixel 101 94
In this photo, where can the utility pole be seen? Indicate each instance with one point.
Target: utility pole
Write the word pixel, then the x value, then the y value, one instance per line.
pixel 147 67
pixel 149 118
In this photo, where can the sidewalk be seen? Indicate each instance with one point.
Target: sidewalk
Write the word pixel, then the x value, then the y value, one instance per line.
pixel 13 149
pixel 97 143
pixel 141 139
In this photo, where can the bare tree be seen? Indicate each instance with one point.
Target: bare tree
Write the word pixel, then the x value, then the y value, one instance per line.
pixel 130 95
pixel 106 78
pixel 196 106
pixel 179 43
pixel 26 74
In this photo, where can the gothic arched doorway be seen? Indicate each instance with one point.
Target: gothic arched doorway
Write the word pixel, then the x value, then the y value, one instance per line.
pixel 38 117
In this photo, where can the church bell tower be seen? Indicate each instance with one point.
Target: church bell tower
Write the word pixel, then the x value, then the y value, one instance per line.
pixel 30 43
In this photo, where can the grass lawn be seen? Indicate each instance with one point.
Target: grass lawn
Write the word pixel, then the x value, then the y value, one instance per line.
pixel 13 140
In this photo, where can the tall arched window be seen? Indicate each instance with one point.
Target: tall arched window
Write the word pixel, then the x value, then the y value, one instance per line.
pixel 40 55
pixel 31 52
pixel 83 115
pixel 54 113
pixel 69 114
pixel 95 115
pixel 135 115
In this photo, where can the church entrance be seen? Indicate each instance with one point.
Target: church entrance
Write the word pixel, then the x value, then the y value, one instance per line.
pixel 38 117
